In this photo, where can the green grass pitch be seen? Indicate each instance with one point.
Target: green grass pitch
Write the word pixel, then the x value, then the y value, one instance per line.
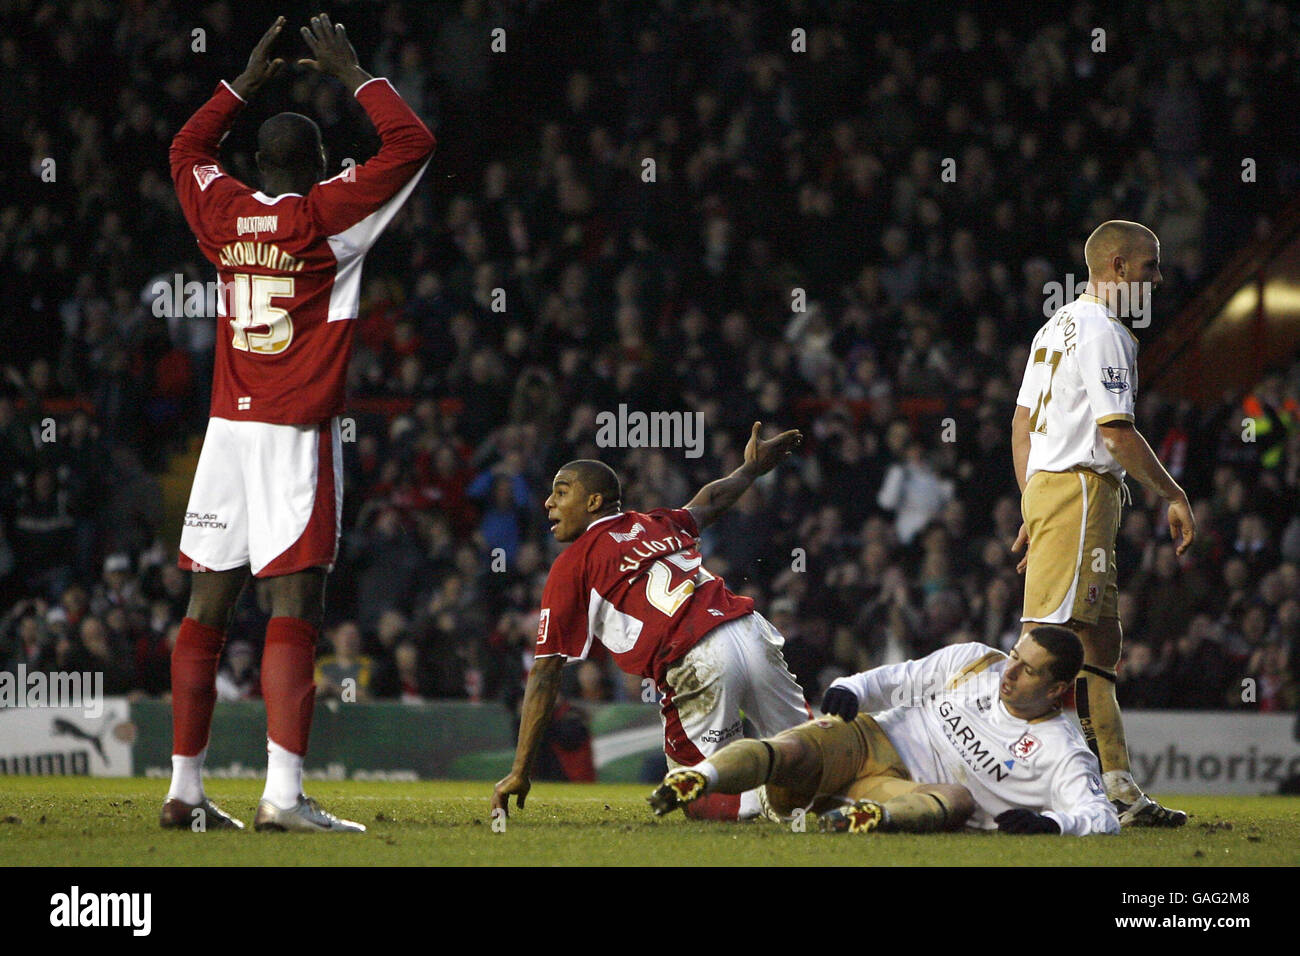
pixel 80 821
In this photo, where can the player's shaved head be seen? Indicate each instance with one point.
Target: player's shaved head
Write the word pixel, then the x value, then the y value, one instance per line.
pixel 1117 237
pixel 289 142
pixel 1064 646
pixel 596 478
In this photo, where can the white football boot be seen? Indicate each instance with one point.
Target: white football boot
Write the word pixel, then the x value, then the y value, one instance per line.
pixel 304 816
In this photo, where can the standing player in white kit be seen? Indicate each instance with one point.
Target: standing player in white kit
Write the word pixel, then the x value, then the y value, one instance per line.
pixel 1073 440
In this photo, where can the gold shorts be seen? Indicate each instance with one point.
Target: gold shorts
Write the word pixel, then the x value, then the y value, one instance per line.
pixel 857 761
pixel 1072 518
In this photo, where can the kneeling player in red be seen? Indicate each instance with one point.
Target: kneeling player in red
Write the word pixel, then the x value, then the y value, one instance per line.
pixel 267 496
pixel 635 582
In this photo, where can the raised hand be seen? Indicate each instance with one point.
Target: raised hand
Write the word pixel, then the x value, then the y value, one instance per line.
pixel 260 65
pixel 763 456
pixel 333 52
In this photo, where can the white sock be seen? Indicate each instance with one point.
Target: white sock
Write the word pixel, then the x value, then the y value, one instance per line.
pixel 187 778
pixel 710 774
pixel 749 805
pixel 283 776
pixel 1121 786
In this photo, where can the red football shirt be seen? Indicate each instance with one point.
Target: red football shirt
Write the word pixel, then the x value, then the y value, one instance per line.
pixel 634 582
pixel 290 265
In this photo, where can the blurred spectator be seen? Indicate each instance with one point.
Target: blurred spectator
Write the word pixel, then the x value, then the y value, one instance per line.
pixel 408 675
pixel 385 562
pixel 92 651
pixel 239 677
pixel 505 496
pixel 344 674
pixel 1141 685
pixel 27 639
pixel 44 533
pixel 1274 689
pixel 1198 667
pixel 914 491
pixel 541 279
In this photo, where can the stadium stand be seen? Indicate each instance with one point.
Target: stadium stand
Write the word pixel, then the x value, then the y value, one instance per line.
pixel 774 171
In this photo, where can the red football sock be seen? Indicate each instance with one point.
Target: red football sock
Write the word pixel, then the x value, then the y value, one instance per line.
pixel 714 806
pixel 287 665
pixel 194 685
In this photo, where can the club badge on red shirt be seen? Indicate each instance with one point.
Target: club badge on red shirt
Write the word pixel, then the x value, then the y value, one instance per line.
pixel 206 174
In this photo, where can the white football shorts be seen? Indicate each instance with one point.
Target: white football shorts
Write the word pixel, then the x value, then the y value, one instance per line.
pixel 269 496
pixel 736 671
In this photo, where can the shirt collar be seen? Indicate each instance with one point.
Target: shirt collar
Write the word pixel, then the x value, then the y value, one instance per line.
pixel 1089 295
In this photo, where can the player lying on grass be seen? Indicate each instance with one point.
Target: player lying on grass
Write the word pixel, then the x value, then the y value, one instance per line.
pixel 966 736
pixel 635 582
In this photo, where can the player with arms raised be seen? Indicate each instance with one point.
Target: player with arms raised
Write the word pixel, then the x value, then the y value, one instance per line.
pixel 1073 440
pixel 267 495
pixel 635 582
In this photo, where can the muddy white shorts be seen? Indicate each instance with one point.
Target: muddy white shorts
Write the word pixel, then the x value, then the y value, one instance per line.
pixel 269 496
pixel 736 671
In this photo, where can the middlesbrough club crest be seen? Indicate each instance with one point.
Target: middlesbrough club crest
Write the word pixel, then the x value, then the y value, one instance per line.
pixel 1026 746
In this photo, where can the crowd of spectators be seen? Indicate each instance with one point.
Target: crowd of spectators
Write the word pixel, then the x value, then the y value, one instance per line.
pixel 794 254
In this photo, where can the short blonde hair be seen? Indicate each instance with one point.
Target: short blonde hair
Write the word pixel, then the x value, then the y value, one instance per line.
pixel 1115 237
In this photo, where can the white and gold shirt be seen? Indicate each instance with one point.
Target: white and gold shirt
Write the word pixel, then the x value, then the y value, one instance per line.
pixel 943 715
pixel 1081 373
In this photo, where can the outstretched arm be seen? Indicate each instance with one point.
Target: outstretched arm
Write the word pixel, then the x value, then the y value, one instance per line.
pixel 535 715
pixel 760 457
pixel 904 684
